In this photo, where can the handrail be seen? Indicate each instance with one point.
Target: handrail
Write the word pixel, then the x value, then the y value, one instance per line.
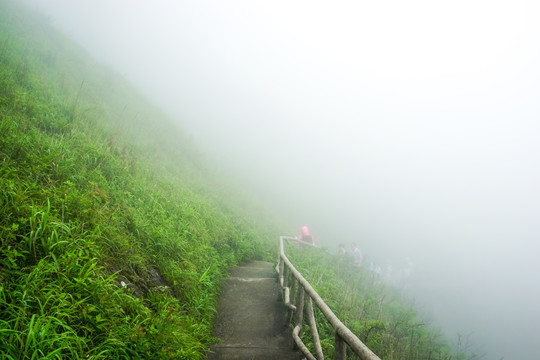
pixel 298 300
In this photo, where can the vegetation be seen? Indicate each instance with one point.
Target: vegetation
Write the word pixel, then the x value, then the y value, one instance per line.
pixel 378 314
pixel 114 235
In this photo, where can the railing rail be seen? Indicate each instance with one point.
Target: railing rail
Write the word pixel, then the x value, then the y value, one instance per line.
pixel 299 297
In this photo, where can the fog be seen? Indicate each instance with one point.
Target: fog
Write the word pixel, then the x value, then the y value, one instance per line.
pixel 410 127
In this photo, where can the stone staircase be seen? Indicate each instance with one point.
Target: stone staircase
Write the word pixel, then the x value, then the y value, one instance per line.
pixel 252 319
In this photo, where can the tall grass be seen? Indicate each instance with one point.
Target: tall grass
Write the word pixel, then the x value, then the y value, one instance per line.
pixel 385 320
pixel 114 235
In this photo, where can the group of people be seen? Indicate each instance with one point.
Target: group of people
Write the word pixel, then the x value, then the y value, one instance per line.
pixel 358 256
pixel 388 273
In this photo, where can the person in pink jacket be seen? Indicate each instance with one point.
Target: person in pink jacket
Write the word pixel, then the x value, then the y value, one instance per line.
pixel 306 237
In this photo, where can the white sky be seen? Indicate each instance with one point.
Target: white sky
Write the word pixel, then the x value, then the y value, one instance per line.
pixel 410 127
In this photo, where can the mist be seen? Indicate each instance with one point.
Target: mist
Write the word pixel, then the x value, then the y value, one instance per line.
pixel 411 128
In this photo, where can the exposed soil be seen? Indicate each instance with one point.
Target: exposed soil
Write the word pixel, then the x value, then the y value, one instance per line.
pixel 142 281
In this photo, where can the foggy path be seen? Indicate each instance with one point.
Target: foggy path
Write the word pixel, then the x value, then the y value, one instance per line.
pixel 419 137
pixel 251 321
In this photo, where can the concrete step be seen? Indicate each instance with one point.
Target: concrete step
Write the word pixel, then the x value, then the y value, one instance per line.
pixel 253 272
pixel 254 353
pixel 252 320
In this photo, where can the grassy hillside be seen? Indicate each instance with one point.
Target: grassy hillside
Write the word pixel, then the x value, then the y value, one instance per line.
pixel 377 313
pixel 114 233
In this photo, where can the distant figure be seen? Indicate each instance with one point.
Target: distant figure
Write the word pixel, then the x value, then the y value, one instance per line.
pixel 357 255
pixel 407 272
pixel 374 268
pixel 341 250
pixel 306 237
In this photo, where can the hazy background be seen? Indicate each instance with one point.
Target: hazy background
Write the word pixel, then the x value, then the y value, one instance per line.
pixel 410 127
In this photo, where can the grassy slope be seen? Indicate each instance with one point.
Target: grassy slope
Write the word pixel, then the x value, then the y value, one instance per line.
pixel 381 317
pixel 96 187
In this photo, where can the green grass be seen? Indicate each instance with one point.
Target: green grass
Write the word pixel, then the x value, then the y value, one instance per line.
pixel 377 313
pixel 98 188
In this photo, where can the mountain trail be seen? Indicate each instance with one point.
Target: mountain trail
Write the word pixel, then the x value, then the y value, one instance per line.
pixel 252 319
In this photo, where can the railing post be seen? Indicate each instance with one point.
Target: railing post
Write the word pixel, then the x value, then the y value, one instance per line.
pixel 340 348
pixel 299 309
pixel 281 265
pixel 293 289
pixel 285 273
pixel 313 327
pixel 292 297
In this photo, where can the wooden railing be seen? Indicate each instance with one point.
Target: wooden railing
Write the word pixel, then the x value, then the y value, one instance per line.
pixel 299 296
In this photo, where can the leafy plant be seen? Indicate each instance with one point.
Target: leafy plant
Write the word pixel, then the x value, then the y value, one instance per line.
pixel 114 232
